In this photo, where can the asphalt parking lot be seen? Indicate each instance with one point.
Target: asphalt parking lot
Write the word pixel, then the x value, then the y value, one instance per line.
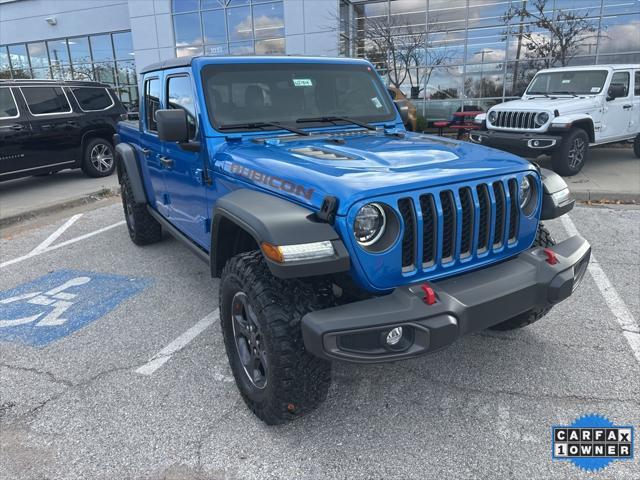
pixel 128 377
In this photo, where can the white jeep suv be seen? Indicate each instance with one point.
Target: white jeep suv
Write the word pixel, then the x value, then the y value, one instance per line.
pixel 566 110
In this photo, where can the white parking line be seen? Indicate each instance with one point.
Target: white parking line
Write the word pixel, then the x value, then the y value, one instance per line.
pixel 55 235
pixel 33 253
pixel 628 323
pixel 178 344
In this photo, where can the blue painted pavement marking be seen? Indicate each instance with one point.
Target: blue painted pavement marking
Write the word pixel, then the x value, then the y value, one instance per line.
pixel 60 303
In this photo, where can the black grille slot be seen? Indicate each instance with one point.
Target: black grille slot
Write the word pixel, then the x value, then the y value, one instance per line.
pixel 429 229
pixel 405 205
pixel 448 225
pixel 466 203
pixel 484 222
pixel 514 213
pixel 498 192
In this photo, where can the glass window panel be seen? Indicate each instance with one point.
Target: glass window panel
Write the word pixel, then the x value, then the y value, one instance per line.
pixel 187 51
pixel 446 48
pixel 268 20
pixel 443 17
pixel 486 45
pixel 207 4
pixel 274 46
pixel 239 23
pixel 79 49
pixel 619 58
pixel 179 6
pixel 43 100
pixel 620 34
pixel 485 80
pixel 151 103
pixel 83 72
pixel 123 46
pixel 443 83
pixel 41 73
pixel 92 98
pixel 235 3
pixel 180 96
pixel 58 52
pixel 487 13
pixel 620 7
pixel 579 61
pixel 518 77
pixel 636 90
pixel 61 72
pixel 101 48
pixel 222 49
pixel 129 97
pixel 5 66
pixel 215 28
pixel 38 54
pixel 241 48
pixel 187 29
pixel 126 73
pixel 104 72
pixel 18 56
pixel 8 106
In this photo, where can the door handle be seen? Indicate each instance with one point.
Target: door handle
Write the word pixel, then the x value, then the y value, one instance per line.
pixel 145 151
pixel 627 106
pixel 16 126
pixel 166 161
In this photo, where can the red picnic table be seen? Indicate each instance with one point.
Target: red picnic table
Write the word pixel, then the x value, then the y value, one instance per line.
pixel 466 123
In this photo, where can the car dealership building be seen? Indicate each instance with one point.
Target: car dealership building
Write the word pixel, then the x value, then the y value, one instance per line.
pixel 442 53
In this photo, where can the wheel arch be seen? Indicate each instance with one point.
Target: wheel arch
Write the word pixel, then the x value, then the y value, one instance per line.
pixel 125 157
pixel 105 132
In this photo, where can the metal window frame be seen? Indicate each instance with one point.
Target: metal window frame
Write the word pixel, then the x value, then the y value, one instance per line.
pixel 91 86
pixel 66 112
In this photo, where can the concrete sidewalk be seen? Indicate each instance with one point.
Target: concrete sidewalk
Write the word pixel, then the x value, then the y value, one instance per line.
pixel 610 174
pixel 32 196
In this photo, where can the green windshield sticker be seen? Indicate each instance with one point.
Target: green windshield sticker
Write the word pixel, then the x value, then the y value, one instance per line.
pixel 376 102
pixel 302 82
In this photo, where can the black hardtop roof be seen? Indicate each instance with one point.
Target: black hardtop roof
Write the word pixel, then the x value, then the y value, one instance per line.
pixel 18 82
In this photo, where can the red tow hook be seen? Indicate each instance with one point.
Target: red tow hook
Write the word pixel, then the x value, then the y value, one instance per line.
pixel 551 256
pixel 429 294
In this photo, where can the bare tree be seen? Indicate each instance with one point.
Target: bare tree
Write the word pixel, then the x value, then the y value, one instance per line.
pixel 548 36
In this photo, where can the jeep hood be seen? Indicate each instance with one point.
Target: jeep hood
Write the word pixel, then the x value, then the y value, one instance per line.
pixel 564 105
pixel 360 166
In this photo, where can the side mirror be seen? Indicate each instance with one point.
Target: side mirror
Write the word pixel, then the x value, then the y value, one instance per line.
pixel 403 109
pixel 172 125
pixel 616 91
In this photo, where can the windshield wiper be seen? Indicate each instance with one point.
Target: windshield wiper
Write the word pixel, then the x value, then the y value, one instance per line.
pixel 565 93
pixel 334 119
pixel 261 125
pixel 539 93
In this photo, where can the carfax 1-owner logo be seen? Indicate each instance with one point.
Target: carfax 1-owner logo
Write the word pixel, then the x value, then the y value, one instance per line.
pixel 592 442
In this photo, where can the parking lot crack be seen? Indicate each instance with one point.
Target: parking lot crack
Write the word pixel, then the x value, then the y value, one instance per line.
pixel 50 376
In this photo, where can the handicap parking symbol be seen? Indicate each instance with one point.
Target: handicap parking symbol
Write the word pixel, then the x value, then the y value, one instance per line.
pixel 60 303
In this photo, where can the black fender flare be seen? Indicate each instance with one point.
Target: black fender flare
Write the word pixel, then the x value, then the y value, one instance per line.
pixel 126 160
pixel 556 198
pixel 268 218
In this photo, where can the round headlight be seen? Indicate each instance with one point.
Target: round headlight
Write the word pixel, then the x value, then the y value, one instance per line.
pixel 528 195
pixel 541 118
pixel 493 116
pixel 369 224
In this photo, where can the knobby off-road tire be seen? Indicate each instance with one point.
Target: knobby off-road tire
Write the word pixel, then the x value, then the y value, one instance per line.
pixel 98 158
pixel 291 382
pixel 572 154
pixel 543 239
pixel 143 228
pixel 636 146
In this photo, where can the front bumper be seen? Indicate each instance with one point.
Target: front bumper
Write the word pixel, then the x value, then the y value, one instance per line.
pixel 464 304
pixel 520 143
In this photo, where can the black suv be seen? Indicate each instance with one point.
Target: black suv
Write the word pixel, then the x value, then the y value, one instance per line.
pixel 48 125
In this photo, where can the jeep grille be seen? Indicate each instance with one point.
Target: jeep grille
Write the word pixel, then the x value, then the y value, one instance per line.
pixel 457 221
pixel 516 120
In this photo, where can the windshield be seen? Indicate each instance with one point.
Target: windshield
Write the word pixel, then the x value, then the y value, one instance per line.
pixel 568 82
pixel 246 96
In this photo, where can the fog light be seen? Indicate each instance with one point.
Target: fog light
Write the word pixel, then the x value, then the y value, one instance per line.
pixel 536 143
pixel 394 336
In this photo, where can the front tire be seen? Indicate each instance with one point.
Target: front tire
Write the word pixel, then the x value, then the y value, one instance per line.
pixel 260 319
pixel 636 146
pixel 543 239
pixel 572 154
pixel 98 159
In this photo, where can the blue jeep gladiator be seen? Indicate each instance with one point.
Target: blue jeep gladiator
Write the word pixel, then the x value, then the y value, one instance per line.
pixel 336 234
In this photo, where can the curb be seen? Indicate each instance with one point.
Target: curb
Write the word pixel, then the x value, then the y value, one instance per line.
pixel 606 197
pixel 56 207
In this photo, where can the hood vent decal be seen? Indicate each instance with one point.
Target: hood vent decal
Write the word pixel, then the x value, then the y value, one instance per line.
pixel 320 153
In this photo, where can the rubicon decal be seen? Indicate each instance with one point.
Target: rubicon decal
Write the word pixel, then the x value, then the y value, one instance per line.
pixel 272 181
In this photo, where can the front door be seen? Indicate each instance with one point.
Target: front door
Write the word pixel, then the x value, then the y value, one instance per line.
pixel 150 149
pixel 634 124
pixel 15 133
pixel 184 175
pixel 618 111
